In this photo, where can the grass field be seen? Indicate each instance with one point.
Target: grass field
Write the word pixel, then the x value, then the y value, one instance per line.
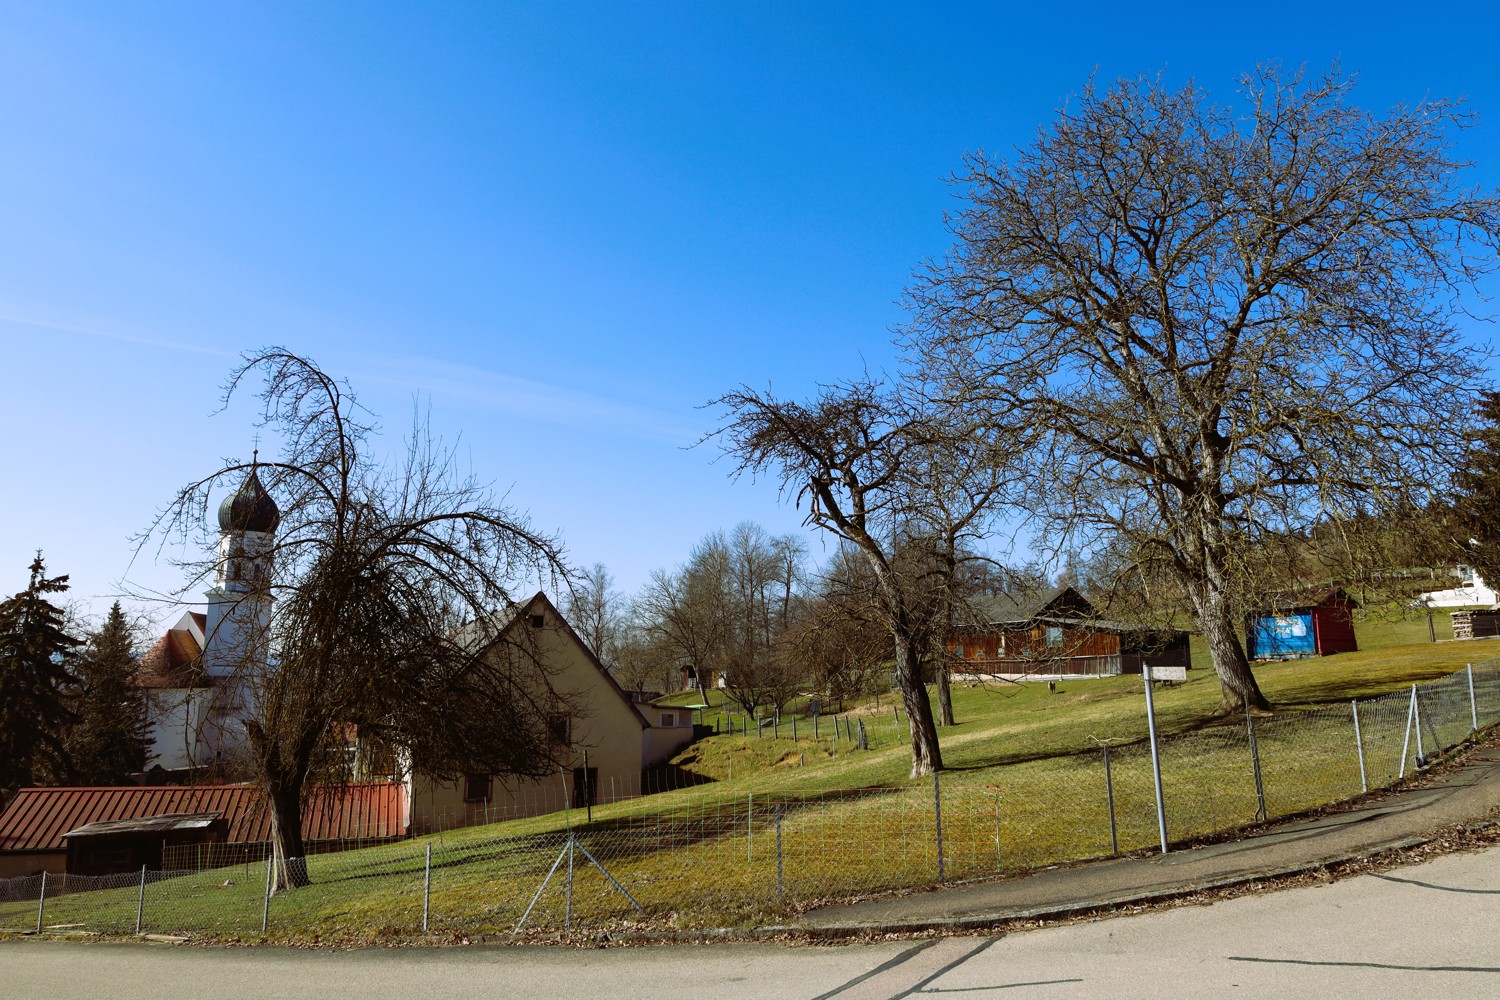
pixel 1025 786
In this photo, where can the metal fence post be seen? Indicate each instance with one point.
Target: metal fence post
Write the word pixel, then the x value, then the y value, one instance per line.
pixel 1406 738
pixel 41 902
pixel 1359 746
pixel 1161 806
pixel 780 886
pixel 1416 713
pixel 426 888
pixel 140 901
pixel 1473 704
pixel 265 911
pixel 998 862
pixel 937 815
pixel 749 827
pixel 1109 792
pixel 1260 789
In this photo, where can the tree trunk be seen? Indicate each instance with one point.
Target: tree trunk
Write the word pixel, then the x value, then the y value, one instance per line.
pixel 926 757
pixel 1215 617
pixel 945 694
pixel 288 853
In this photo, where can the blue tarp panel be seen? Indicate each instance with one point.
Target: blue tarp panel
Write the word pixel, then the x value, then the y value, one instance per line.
pixel 1284 635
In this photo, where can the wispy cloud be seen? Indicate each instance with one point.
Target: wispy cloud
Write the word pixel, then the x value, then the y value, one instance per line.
pixel 128 338
pixel 529 398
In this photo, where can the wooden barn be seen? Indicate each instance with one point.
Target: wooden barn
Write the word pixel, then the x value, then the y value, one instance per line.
pixel 1057 633
pixel 1308 625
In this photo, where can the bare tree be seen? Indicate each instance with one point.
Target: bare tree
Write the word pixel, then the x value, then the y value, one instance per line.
pixel 390 585
pixel 863 458
pixel 1207 325
pixel 595 610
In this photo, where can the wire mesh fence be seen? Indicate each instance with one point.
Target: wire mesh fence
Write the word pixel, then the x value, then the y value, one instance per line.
pixel 718 859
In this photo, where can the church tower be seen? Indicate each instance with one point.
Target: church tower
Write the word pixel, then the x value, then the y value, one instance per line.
pixel 239 614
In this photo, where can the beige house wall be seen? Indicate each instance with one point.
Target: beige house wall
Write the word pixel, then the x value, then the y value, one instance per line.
pixel 603 724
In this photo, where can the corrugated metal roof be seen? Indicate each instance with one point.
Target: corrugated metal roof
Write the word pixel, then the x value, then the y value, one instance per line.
pixel 151 824
pixel 37 818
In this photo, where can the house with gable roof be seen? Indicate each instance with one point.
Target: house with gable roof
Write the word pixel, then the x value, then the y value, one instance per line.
pixel 606 739
pixel 1056 632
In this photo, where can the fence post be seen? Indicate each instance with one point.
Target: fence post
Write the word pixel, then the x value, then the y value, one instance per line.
pixel 426 888
pixel 1416 712
pixel 140 901
pixel 1406 739
pixel 794 729
pixel 265 909
pixel 41 902
pixel 1260 789
pixel 780 887
pixel 937 815
pixel 1109 792
pixel 1359 745
pixel 1473 705
pixel 998 863
pixel 1161 806
pixel 749 827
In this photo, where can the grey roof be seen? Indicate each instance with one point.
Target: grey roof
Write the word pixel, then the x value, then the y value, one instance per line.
pixel 1025 606
pixel 146 824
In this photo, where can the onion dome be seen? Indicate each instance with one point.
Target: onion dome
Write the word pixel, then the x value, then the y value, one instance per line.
pixel 250 508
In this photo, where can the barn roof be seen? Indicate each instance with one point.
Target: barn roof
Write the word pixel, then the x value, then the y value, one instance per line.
pixel 38 818
pixel 1292 601
pixel 1029 605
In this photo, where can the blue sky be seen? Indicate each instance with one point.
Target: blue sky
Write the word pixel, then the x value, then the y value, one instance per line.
pixel 561 227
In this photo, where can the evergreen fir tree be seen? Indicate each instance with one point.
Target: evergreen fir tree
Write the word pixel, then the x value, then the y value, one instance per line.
pixel 1479 485
pixel 110 741
pixel 36 654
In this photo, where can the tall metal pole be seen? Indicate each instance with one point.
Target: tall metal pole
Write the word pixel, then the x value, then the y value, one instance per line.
pixel 1473 705
pixel 1411 706
pixel 1260 788
pixel 426 888
pixel 140 901
pixel 1109 791
pixel 780 886
pixel 41 902
pixel 937 814
pixel 1416 712
pixel 1359 745
pixel 1161 805
pixel 265 909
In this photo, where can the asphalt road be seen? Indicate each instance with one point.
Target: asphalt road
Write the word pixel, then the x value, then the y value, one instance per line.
pixel 1432 930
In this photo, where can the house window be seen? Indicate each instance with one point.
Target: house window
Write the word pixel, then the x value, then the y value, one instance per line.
pixel 668 719
pixel 476 788
pixel 537 621
pixel 561 727
pixel 958 651
pixel 1054 635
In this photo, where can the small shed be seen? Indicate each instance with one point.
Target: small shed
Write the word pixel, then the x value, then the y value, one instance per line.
pixel 1481 624
pixel 1310 625
pixel 109 847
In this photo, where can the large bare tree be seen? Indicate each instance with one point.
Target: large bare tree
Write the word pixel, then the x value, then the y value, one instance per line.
pixel 1209 324
pixel 865 460
pixel 389 587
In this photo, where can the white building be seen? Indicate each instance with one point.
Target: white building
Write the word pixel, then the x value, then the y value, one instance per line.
pixel 201 677
pixel 1470 592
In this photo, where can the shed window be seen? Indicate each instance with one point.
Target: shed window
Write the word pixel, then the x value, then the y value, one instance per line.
pixel 1054 635
pixel 958 651
pixel 668 719
pixel 476 788
pixel 537 621
pixel 561 727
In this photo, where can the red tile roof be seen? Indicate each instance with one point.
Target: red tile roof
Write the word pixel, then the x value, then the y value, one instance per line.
pixel 173 661
pixel 37 818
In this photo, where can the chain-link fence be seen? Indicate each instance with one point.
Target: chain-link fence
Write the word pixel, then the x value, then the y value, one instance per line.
pixel 713 859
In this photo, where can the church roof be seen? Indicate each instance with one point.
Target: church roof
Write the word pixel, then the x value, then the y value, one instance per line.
pixel 249 508
pixel 173 661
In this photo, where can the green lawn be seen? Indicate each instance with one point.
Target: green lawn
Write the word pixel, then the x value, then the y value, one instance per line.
pixel 1025 786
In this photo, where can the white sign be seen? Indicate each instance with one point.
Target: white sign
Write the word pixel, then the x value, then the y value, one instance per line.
pixel 1165 673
